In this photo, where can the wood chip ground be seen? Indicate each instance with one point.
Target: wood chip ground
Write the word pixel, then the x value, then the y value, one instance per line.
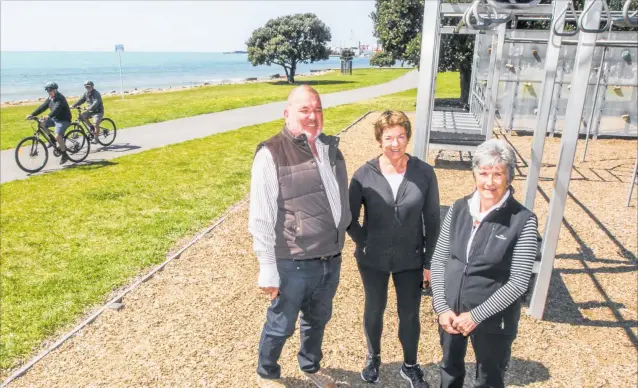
pixel 197 323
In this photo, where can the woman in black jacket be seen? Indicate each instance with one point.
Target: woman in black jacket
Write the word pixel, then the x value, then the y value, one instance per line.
pixel 401 223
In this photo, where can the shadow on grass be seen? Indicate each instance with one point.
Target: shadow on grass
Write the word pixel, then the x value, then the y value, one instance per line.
pixel 85 165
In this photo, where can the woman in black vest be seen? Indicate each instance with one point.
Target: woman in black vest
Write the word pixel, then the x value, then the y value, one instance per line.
pixel 480 269
pixel 401 222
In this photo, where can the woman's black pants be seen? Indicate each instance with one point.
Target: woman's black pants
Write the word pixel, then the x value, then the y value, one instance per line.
pixel 492 355
pixel 408 288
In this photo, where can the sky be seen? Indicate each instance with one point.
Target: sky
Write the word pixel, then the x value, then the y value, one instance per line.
pixel 165 25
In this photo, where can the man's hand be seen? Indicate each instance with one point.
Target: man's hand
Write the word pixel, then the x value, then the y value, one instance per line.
pixel 272 292
pixel 464 324
pixel 426 278
pixel 446 319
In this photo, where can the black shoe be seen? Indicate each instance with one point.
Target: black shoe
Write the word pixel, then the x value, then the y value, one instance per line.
pixel 414 375
pixel 64 158
pixel 370 374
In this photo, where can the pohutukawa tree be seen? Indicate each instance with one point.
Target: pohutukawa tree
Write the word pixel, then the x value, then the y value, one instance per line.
pixel 289 40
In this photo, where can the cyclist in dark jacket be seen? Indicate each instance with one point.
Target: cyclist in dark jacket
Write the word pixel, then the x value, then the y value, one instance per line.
pixel 59 116
pixel 94 109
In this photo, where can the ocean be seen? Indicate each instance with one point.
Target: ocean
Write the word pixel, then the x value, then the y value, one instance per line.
pixel 23 74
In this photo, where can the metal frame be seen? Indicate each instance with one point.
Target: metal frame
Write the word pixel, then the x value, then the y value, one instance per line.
pixel 633 181
pixel 428 66
pixel 550 88
pixel 545 104
pixel 493 83
pixel 575 104
pixel 599 76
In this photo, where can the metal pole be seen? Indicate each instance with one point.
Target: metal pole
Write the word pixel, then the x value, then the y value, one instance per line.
pixel 121 80
pixel 595 99
pixel 544 105
pixel 494 80
pixel 633 181
pixel 428 67
pixel 569 140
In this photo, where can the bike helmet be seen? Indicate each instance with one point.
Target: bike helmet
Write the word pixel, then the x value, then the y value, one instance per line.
pixel 50 85
pixel 87 83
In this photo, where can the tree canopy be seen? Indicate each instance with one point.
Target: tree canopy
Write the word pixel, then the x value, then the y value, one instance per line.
pixel 289 40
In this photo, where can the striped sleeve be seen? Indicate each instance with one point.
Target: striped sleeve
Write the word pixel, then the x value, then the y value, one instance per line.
pixel 522 264
pixel 437 266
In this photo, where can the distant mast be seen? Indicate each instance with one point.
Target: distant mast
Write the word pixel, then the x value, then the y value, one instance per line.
pixel 118 49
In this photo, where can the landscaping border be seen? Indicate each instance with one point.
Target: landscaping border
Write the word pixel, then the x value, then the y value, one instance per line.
pixel 116 302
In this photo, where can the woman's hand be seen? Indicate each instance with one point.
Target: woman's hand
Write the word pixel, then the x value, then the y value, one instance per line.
pixel 464 324
pixel 446 321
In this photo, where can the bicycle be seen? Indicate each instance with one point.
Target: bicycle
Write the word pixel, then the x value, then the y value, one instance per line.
pixel 107 129
pixel 36 150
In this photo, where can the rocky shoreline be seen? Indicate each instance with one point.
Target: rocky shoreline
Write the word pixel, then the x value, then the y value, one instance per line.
pixel 135 91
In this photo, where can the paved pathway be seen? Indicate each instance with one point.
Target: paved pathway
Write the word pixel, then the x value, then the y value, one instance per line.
pixel 149 136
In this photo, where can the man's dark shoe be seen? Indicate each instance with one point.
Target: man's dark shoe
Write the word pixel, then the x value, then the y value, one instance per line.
pixel 414 375
pixel 370 374
pixel 64 158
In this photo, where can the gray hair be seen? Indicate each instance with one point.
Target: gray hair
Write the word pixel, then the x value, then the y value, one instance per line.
pixel 492 153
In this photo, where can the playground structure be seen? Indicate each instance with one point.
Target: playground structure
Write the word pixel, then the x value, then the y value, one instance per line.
pixel 535 80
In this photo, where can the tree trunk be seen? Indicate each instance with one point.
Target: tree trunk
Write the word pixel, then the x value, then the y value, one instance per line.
pixel 291 74
pixel 466 79
pixel 286 70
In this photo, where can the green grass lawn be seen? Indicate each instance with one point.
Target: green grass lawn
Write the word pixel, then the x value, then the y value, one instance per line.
pixel 155 107
pixel 68 238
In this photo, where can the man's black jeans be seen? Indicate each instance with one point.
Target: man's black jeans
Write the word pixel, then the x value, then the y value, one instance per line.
pixel 306 286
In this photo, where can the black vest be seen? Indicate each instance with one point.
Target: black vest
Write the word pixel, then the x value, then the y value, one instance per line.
pixel 470 281
pixel 305 227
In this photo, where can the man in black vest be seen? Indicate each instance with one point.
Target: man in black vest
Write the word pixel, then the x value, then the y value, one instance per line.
pixel 298 218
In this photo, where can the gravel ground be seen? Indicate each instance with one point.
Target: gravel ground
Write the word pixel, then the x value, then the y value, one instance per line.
pixel 197 323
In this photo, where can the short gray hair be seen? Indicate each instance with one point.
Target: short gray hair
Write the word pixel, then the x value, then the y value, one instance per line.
pixel 492 153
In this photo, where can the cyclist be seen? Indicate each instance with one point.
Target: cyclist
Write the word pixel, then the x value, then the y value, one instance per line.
pixel 59 116
pixel 95 108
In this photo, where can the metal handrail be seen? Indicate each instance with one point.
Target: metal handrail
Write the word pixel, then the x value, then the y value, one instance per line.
pixel 630 21
pixel 570 7
pixel 481 23
pixel 494 19
pixel 513 4
pixel 595 30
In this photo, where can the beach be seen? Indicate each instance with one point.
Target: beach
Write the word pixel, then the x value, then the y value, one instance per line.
pixel 23 74
pixel 135 91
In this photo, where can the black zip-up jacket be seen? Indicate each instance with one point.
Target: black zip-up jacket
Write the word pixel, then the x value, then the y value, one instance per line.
pixel 60 110
pixel 396 235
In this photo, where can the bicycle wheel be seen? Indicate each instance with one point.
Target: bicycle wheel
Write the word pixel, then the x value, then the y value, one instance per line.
pixel 77 145
pixel 31 154
pixel 76 127
pixel 107 132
